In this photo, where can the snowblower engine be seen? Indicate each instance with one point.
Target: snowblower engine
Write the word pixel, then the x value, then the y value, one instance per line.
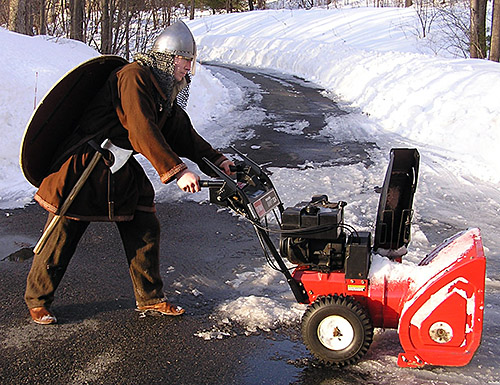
pixel 313 233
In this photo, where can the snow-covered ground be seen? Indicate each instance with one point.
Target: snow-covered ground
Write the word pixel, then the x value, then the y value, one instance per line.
pixel 401 92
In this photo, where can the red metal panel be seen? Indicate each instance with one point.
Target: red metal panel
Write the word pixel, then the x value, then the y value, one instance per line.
pixel 441 324
pixel 318 284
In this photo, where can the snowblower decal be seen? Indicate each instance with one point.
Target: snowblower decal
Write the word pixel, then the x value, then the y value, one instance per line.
pixel 357 286
pixel 265 203
pixel 437 299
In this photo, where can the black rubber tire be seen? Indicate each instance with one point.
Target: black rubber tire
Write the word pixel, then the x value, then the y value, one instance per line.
pixel 356 323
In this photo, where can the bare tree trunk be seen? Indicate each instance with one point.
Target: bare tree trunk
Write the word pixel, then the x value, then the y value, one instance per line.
pixel 495 32
pixel 191 11
pixel 127 31
pixel 105 27
pixel 478 29
pixel 43 18
pixel 51 17
pixel 63 13
pixel 18 17
pixel 250 5
pixel 77 8
pixel 169 13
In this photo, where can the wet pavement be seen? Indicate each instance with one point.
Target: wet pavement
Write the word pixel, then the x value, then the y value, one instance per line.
pixel 101 339
pixel 295 115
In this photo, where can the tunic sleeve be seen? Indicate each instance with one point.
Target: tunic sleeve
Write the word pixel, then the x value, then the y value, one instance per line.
pixel 138 113
pixel 186 142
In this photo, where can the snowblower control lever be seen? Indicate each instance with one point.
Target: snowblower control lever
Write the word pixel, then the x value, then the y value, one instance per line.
pixel 252 194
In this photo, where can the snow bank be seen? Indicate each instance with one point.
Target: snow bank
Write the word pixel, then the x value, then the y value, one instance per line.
pixel 371 58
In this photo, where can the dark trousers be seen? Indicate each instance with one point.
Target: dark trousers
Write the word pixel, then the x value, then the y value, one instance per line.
pixel 141 240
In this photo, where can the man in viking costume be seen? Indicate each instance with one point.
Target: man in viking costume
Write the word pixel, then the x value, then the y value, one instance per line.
pixel 140 109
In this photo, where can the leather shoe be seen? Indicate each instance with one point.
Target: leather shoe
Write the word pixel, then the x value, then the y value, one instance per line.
pixel 164 308
pixel 41 315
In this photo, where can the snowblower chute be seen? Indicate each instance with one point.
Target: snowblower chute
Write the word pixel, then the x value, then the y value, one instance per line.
pixel 437 305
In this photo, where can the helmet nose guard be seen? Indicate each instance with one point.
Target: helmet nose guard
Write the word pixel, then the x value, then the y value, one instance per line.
pixel 176 39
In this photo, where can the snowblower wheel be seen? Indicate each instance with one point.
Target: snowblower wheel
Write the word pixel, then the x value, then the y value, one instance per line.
pixel 337 330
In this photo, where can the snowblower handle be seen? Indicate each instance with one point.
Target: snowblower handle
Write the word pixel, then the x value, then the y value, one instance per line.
pixel 211 183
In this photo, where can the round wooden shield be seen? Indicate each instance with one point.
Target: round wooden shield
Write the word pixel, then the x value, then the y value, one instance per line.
pixel 57 115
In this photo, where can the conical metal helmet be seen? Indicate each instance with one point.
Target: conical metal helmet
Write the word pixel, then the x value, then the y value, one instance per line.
pixel 177 39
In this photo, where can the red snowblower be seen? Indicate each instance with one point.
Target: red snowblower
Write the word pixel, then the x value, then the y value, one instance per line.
pixel 437 307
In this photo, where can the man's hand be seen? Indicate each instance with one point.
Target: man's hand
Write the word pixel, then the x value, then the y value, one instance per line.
pixel 188 181
pixel 225 166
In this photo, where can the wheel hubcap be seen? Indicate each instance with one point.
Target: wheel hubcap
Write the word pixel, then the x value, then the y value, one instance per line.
pixel 335 332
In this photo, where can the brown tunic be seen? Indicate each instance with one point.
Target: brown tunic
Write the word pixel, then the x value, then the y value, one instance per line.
pixel 126 111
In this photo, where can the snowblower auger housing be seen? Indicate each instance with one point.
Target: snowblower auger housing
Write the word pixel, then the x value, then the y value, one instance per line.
pixel 437 309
